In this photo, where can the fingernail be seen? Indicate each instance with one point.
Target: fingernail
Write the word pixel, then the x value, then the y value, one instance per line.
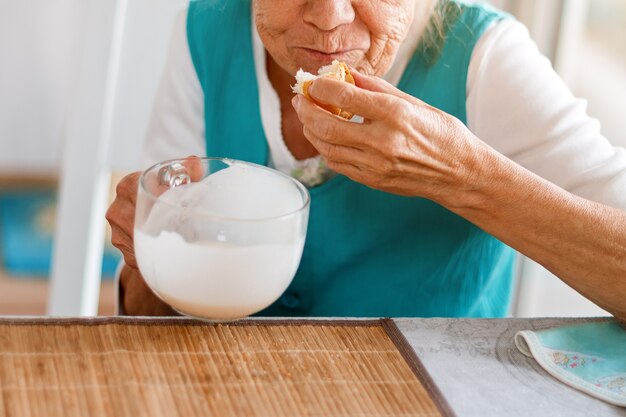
pixel 295 102
pixel 311 89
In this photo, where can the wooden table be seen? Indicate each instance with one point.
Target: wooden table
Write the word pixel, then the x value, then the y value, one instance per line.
pixel 463 367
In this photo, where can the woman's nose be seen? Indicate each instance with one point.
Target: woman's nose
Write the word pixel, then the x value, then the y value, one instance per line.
pixel 329 14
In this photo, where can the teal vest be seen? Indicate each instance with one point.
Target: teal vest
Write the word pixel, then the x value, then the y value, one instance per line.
pixel 367 252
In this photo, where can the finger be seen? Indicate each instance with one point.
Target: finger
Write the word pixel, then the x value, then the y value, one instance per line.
pixel 363 175
pixel 194 166
pixel 337 153
pixel 371 83
pixel 326 125
pixel 125 200
pixel 127 187
pixel 377 84
pixel 122 230
pixel 151 180
pixel 122 211
pixel 354 172
pixel 151 183
pixel 125 244
pixel 120 225
pixel 369 104
pixel 122 238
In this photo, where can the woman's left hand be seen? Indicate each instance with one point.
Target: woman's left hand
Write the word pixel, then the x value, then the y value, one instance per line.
pixel 404 146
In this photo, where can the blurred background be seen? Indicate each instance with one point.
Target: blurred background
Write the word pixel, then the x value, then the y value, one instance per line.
pixel 76 81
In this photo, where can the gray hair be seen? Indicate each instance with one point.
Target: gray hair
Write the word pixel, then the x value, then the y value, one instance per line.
pixel 443 14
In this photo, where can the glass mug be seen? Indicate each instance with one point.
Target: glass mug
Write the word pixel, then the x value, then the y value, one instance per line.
pixel 216 238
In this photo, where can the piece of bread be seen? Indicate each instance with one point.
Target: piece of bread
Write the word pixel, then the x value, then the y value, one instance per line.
pixel 337 70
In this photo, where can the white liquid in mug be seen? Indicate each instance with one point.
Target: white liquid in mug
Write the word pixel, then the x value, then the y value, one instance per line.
pixel 219 281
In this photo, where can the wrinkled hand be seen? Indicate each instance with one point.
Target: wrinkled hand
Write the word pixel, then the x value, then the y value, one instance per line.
pixel 121 217
pixel 137 297
pixel 404 146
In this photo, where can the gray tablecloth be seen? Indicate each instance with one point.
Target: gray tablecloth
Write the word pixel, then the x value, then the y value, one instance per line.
pixel 476 365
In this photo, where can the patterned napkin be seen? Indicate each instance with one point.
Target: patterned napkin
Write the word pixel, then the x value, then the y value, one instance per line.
pixel 590 357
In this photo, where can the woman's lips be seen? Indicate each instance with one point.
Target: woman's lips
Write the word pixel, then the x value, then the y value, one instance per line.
pixel 326 56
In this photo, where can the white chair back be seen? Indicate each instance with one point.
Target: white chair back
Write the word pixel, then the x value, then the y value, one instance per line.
pixel 124 43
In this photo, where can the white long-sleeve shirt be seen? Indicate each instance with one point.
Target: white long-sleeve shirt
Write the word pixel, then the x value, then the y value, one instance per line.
pixel 516 104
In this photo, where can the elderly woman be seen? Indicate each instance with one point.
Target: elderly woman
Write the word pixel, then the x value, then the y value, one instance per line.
pixel 470 146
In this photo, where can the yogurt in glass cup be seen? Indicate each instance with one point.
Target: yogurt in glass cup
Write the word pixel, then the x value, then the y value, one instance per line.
pixel 219 239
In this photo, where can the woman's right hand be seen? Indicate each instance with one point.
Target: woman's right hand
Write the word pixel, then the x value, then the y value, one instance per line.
pixel 136 298
pixel 121 217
